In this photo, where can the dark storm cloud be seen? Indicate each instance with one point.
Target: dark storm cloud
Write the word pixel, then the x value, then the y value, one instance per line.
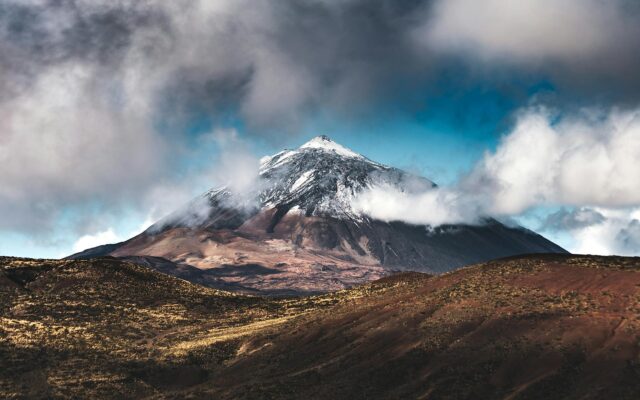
pixel 38 35
pixel 86 84
pixel 584 47
pixel 275 62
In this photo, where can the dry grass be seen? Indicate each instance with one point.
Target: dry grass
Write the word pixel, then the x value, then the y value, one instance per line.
pixel 88 328
pixel 109 329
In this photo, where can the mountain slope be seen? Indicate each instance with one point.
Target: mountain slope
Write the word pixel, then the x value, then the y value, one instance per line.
pixel 297 231
pixel 535 327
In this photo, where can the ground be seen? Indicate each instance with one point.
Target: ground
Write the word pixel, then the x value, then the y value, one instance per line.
pixel 544 327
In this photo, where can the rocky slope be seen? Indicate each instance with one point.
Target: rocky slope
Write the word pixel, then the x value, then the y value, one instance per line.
pixel 298 232
pixel 535 327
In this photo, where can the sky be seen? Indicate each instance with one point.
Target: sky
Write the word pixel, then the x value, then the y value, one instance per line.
pixel 114 113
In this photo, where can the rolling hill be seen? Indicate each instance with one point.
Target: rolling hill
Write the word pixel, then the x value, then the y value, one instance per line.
pixel 530 327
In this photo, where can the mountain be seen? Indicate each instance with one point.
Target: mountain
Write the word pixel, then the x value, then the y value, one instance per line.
pixel 534 327
pixel 296 230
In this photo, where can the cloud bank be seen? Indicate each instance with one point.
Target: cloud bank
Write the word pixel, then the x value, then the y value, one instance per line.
pixel 589 158
pixel 588 161
pixel 98 98
pixel 531 30
pixel 612 231
pixel 589 47
pixel 434 206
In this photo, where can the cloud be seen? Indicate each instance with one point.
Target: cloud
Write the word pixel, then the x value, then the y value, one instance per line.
pixel 98 98
pixel 97 239
pixel 235 167
pixel 578 218
pixel 527 30
pixel 585 45
pixel 106 236
pixel 628 238
pixel 186 56
pixel 234 170
pixel 433 206
pixel 618 233
pixel 589 159
pixel 59 146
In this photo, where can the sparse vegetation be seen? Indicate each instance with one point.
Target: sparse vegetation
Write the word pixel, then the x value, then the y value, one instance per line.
pixel 533 327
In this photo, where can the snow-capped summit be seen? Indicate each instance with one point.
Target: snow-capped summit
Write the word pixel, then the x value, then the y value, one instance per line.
pixel 323 142
pixel 320 143
pixel 322 177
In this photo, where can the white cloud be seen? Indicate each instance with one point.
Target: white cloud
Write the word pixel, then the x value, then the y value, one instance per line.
pixel 106 236
pixel 232 166
pixel 590 160
pixel 618 234
pixel 587 159
pixel 235 166
pixel 528 30
pixel 96 239
pixel 59 146
pixel 435 206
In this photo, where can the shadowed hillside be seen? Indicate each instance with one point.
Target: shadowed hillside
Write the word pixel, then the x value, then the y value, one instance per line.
pixel 543 327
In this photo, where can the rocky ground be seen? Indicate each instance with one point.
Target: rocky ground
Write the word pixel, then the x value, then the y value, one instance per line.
pixel 544 327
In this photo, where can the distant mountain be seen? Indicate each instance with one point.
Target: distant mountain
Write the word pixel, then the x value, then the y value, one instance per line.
pixel 297 232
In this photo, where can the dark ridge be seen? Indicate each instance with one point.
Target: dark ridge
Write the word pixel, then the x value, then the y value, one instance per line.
pixel 99 251
pixel 281 211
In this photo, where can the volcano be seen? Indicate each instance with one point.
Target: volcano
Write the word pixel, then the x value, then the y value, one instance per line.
pixel 297 232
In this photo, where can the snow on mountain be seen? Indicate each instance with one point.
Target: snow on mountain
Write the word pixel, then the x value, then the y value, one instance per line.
pixel 321 177
pixel 324 143
pixel 304 178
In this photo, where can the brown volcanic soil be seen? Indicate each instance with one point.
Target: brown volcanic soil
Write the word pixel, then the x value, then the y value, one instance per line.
pixel 282 251
pixel 542 327
pixel 252 261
